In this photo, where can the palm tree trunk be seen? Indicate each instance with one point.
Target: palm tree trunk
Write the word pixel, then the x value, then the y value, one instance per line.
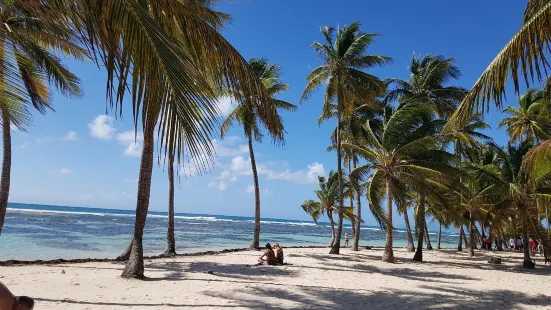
pixel 170 239
pixel 525 245
pixel 352 222
pixel 411 246
pixel 135 265
pixel 419 223
pixel 471 235
pixel 6 167
pixel 427 236
pixel 358 215
pixel 388 255
pixel 439 235
pixel 546 216
pixel 330 216
pixel 467 245
pixel 255 244
pixel 335 249
pixel 460 242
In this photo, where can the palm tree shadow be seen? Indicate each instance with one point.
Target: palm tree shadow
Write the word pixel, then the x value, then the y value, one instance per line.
pixel 336 298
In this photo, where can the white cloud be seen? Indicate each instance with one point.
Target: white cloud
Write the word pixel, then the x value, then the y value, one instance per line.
pixel 218 185
pixel 70 136
pixel 226 105
pixel 132 142
pixel 24 145
pixel 102 127
pixel 249 189
pixel 307 176
pixel 268 191
pixel 65 171
pixel 240 166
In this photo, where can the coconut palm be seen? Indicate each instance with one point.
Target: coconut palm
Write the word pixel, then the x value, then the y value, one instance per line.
pixel 327 201
pixel 520 198
pixel 351 131
pixel 29 43
pixel 172 58
pixel 531 120
pixel 427 83
pixel 247 115
pixel 523 57
pixel 343 54
pixel 404 157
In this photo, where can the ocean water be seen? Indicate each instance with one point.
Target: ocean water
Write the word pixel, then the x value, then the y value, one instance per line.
pixel 49 232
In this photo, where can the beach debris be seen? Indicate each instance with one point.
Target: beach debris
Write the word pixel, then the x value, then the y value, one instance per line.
pixel 494 260
pixel 62 271
pixel 210 272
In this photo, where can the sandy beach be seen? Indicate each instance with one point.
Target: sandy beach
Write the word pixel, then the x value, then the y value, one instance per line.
pixel 313 279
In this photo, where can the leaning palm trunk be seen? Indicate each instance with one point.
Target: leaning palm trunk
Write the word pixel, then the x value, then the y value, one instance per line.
pixel 255 244
pixel 419 223
pixel 351 198
pixel 135 265
pixel 6 167
pixel 427 236
pixel 471 235
pixel 439 235
pixel 358 220
pixel 330 216
pixel 411 247
pixel 170 239
pixel 335 249
pixel 388 255
pixel 525 246
pixel 460 242
pixel 467 245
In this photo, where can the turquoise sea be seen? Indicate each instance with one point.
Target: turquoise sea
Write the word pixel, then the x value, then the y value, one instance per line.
pixel 49 232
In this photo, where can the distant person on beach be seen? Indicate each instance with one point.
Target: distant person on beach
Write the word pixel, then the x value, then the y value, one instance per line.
pixel 268 258
pixel 10 302
pixel 278 253
pixel 512 243
pixel 346 240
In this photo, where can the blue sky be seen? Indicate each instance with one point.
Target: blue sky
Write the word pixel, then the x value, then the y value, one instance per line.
pixel 80 156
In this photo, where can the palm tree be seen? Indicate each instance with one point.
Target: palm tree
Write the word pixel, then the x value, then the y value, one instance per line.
pixel 344 57
pixel 170 250
pixel 246 114
pixel 426 83
pixel 523 56
pixel 29 42
pixel 520 198
pixel 404 156
pixel 531 120
pixel 172 58
pixel 327 201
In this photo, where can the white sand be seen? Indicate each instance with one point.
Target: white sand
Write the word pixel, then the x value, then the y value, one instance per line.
pixel 353 280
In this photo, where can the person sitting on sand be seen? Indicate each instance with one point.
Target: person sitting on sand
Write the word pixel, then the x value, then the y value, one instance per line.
pixel 278 253
pixel 268 258
pixel 10 302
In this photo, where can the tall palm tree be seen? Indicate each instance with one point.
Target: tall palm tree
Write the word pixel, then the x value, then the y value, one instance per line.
pixel 171 57
pixel 326 202
pixel 404 156
pixel 531 120
pixel 29 42
pixel 343 54
pixel 351 131
pixel 246 114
